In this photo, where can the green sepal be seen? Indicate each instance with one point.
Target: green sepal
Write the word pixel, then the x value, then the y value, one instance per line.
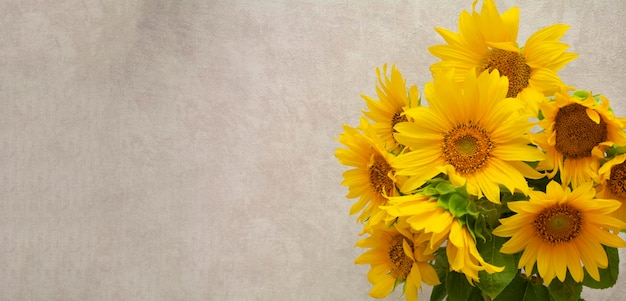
pixel 445 188
pixel 581 94
pixel 478 228
pixel 614 150
pixel 458 204
pixel 450 197
pixel 540 115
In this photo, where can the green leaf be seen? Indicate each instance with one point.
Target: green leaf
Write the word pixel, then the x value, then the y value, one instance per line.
pixel 568 290
pixel 608 276
pixel 441 267
pixel 491 212
pixel 521 289
pixel 493 284
pixel 439 292
pixel 472 209
pixel 476 295
pixel 457 286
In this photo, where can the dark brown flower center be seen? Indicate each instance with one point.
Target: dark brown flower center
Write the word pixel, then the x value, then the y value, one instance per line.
pixel 510 64
pixel 379 175
pixel 401 263
pixel 617 182
pixel 467 148
pixel 397 118
pixel 576 133
pixel 558 224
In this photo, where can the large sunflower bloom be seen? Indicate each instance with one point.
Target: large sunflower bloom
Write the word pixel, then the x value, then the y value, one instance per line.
pixel 425 215
pixel 576 132
pixel 396 256
pixel 612 183
pixel 475 135
pixel 488 41
pixel 372 178
pixel 388 110
pixel 560 228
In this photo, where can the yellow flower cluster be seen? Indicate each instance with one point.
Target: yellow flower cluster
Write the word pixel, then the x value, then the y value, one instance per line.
pixel 437 182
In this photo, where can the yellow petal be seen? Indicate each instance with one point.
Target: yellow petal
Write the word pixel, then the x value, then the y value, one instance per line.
pixel 517 243
pixel 573 263
pixel 383 287
pixel 593 115
pixel 544 80
pixel 586 255
pixel 429 275
pixel 413 282
pixel 559 260
pixel 529 257
pixel 510 18
pixel 372 256
pixel 488 188
pixel 377 273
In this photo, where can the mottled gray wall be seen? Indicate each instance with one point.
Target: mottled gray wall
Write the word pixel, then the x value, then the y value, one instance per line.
pixel 183 150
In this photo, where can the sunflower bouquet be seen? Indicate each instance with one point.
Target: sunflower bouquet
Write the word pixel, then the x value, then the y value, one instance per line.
pixel 505 184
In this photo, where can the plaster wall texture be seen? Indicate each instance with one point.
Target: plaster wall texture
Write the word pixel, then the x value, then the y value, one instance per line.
pixel 183 150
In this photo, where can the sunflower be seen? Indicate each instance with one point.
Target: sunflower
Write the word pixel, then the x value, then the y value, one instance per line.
pixel 612 183
pixel 488 41
pixel 474 135
pixel 576 132
pixel 426 216
pixel 397 255
pixel 559 228
pixel 372 178
pixel 389 109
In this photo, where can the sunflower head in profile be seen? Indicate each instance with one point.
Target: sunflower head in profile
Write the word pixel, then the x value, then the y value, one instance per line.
pixel 397 255
pixel 388 110
pixel 612 183
pixel 577 130
pixel 558 229
pixel 475 135
pixel 372 179
pixel 424 214
pixel 488 41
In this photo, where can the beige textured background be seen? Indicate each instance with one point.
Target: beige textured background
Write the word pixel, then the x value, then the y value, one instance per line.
pixel 162 150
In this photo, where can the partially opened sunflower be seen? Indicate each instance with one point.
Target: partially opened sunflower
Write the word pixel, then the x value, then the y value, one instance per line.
pixel 397 256
pixel 388 109
pixel 576 131
pixel 612 183
pixel 372 178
